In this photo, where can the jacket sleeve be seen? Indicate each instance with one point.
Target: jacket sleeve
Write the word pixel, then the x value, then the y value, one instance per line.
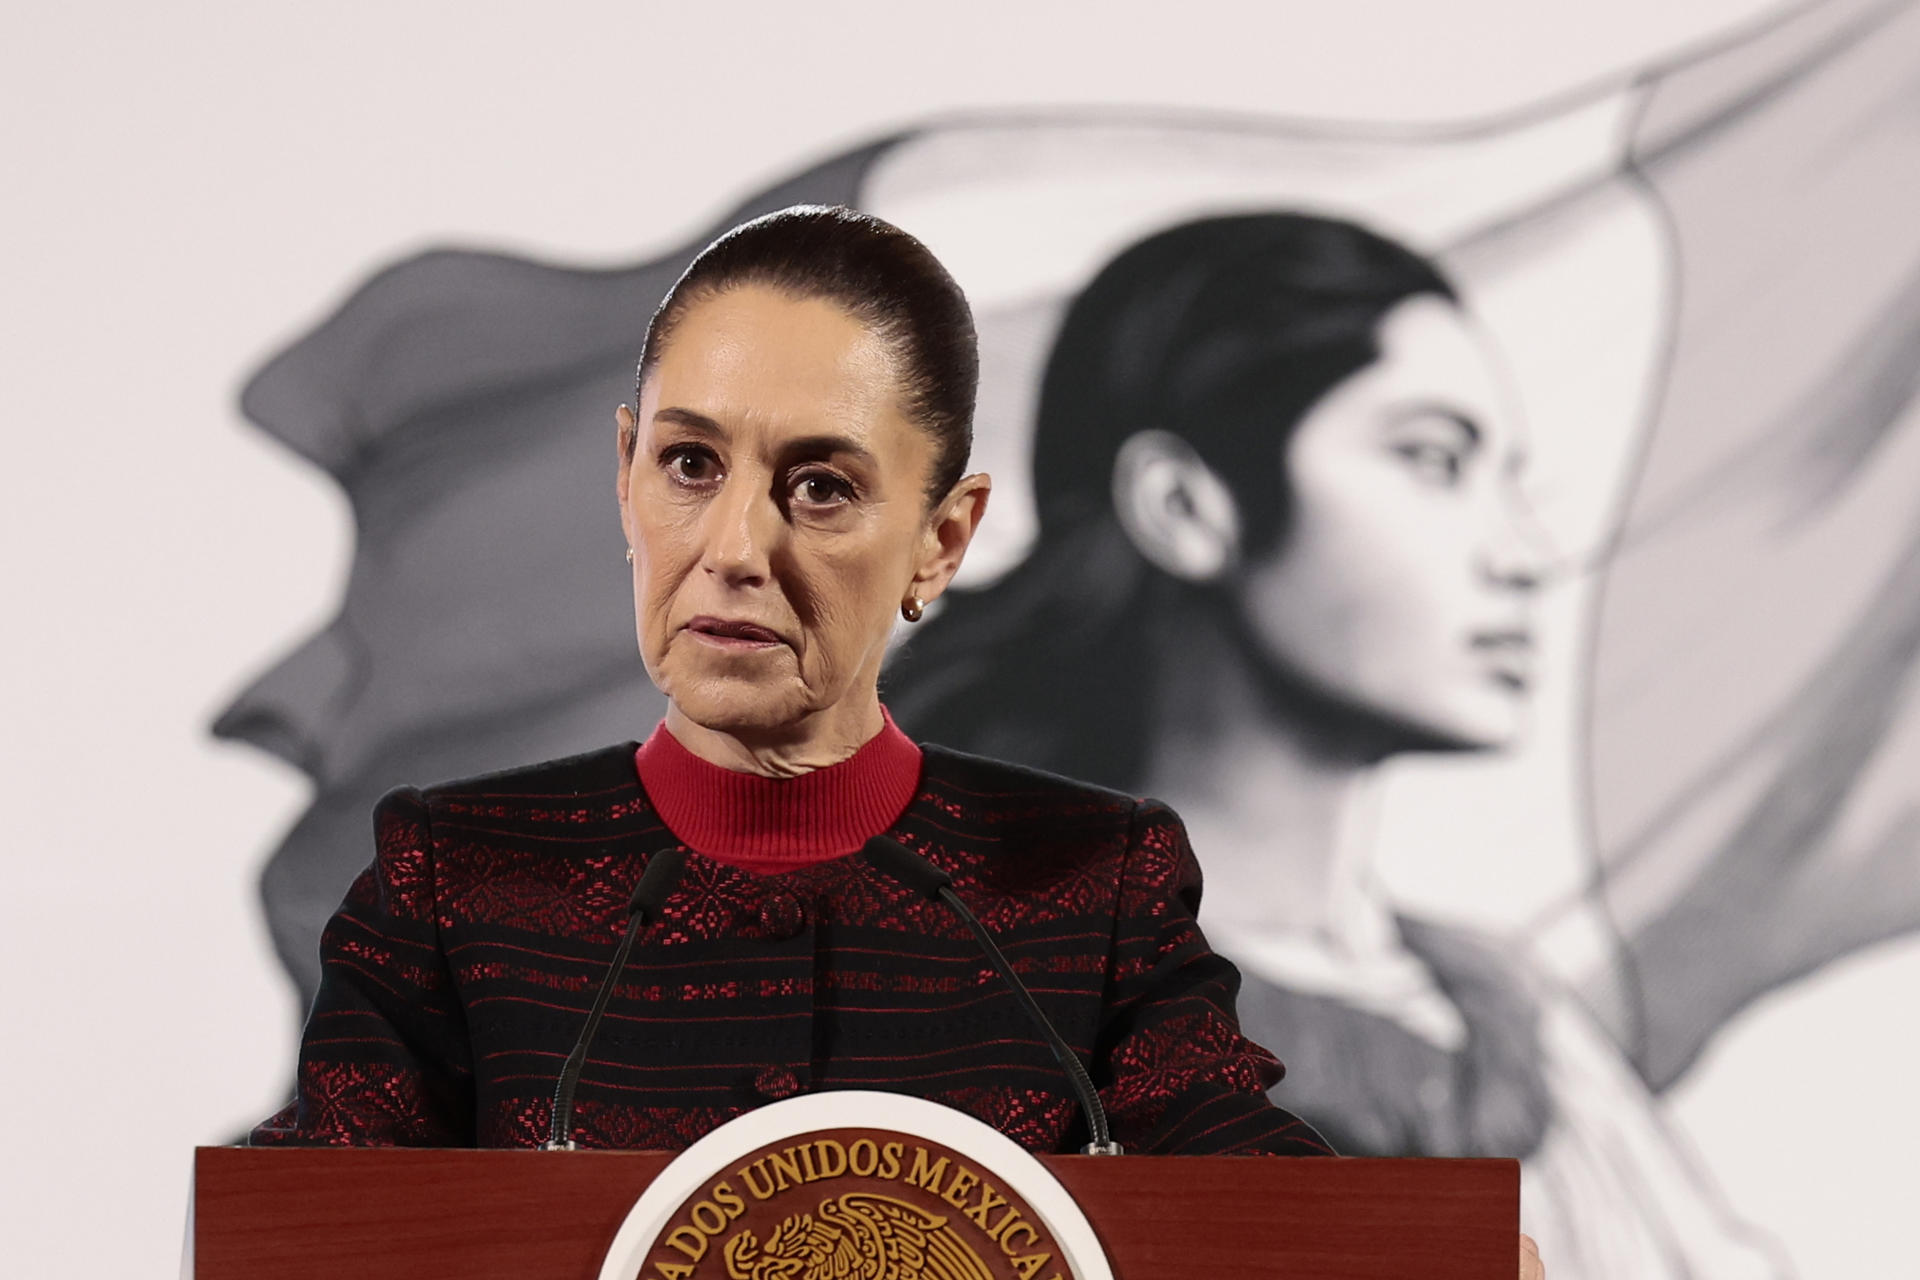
pixel 1176 1075
pixel 385 1058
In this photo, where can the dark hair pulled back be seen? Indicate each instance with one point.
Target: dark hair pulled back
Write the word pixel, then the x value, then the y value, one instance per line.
pixel 878 274
pixel 1224 331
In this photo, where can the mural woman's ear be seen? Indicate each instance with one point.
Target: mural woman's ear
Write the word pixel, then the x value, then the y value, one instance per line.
pixel 1175 508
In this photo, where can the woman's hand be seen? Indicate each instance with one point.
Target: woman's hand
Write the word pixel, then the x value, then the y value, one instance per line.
pixel 1531 1268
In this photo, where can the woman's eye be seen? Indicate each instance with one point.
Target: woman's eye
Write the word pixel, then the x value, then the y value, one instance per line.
pixel 819 489
pixel 690 463
pixel 1432 463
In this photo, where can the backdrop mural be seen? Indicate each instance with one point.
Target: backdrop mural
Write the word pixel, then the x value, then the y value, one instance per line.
pixel 1552 489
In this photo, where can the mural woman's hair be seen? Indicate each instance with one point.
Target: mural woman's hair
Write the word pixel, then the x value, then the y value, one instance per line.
pixel 1223 331
pixel 875 272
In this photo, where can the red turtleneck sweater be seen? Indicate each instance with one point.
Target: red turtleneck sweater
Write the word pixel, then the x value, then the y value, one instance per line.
pixel 770 825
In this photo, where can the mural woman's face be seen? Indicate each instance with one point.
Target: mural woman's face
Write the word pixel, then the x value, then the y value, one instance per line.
pixel 1404 583
pixel 775 501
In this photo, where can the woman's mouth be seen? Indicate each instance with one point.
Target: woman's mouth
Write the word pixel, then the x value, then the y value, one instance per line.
pixel 732 633
pixel 1509 657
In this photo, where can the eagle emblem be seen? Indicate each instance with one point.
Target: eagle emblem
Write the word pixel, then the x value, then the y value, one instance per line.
pixel 857 1236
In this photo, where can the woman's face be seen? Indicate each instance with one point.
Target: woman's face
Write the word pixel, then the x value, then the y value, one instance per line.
pixel 775 501
pixel 1404 584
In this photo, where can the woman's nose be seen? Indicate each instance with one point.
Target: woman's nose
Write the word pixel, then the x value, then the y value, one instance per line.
pixel 1519 554
pixel 743 524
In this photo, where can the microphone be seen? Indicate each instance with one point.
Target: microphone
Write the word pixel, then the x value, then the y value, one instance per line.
pixel 655 887
pixel 921 876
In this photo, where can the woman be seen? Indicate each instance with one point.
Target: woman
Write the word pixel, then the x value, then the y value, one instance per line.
pixel 792 476
pixel 1281 541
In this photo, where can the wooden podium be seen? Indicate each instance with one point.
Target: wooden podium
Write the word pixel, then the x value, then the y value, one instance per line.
pixel 295 1213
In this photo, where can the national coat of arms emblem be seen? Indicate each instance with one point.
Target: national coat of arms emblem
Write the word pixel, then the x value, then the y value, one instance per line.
pixel 855 1185
pixel 857 1236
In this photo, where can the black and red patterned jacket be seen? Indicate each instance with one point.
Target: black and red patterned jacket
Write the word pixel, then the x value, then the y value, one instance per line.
pixel 459 970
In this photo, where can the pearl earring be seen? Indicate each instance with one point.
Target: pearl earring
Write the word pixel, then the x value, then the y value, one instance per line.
pixel 912 608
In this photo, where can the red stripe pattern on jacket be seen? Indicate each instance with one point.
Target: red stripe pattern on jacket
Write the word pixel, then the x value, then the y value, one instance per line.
pixel 458 972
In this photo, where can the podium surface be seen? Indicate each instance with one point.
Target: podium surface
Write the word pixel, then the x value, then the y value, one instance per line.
pixel 384 1214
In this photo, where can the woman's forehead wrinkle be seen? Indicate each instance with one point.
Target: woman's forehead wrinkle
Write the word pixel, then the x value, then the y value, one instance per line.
pixel 780 407
pixel 826 445
pixel 784 432
pixel 691 419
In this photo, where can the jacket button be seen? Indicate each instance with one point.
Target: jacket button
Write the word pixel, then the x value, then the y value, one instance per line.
pixel 776 1082
pixel 782 916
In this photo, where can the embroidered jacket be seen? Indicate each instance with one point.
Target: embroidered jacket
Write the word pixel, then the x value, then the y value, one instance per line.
pixel 458 973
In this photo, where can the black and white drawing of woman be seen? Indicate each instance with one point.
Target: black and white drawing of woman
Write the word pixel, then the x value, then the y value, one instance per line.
pixel 1282 541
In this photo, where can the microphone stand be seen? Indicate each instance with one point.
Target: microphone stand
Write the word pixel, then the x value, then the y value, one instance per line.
pixel 914 871
pixel 656 885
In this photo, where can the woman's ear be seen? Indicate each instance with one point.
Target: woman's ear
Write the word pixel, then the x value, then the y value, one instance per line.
pixel 948 534
pixel 626 432
pixel 1175 508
